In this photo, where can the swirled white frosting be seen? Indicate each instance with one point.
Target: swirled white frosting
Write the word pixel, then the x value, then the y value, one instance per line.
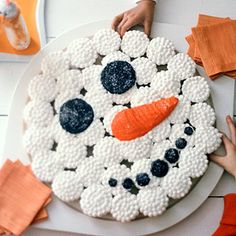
pixel 183 65
pixel 145 70
pixel 67 186
pixel 202 113
pixel 166 84
pixel 115 56
pixel 55 63
pixel 82 52
pixel 136 149
pixel 70 81
pixel 124 207
pixel 196 89
pixel 181 112
pixel 107 151
pixel 193 162
pixel 134 43
pixel 71 152
pixel 106 41
pixel 176 183
pixel 37 139
pixel 152 202
pixel 90 171
pixel 207 138
pixel 42 88
pixel 45 165
pixel 143 96
pixel 96 200
pixel 38 113
pixel 160 50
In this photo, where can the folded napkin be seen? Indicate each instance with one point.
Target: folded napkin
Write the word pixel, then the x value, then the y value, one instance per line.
pixel 22 198
pixel 204 20
pixel 212 44
pixel 228 221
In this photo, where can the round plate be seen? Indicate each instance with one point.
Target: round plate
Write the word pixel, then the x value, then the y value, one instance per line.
pixel 63 217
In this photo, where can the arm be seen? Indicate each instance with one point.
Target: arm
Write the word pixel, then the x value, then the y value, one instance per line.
pixel 142 14
pixel 228 162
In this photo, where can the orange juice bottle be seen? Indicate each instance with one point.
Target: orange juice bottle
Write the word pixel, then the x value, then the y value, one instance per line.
pixel 14 25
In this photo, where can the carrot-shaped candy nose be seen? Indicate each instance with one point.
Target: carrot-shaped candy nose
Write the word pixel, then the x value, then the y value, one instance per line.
pixel 135 122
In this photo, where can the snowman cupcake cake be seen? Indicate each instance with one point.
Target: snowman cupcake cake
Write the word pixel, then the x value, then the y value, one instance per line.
pixel 113 131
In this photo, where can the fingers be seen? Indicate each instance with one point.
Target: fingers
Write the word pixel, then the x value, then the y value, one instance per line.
pixel 220 160
pixel 124 20
pixel 147 27
pixel 127 26
pixel 116 21
pixel 227 143
pixel 232 129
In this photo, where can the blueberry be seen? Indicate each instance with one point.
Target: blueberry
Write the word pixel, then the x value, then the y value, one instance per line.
pixel 142 179
pixel 128 183
pixel 76 115
pixel 188 130
pixel 180 143
pixel 159 168
pixel 172 155
pixel 118 77
pixel 112 182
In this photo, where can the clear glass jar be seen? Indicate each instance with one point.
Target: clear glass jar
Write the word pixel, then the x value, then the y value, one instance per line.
pixel 15 27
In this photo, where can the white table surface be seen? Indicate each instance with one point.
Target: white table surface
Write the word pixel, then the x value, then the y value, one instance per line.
pixel 63 15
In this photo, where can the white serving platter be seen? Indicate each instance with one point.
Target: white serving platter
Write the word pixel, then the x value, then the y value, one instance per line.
pixel 64 218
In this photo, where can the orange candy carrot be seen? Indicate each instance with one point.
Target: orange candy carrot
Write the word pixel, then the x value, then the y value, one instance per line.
pixel 135 122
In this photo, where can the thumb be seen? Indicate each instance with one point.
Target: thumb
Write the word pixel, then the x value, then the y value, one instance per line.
pixel 147 27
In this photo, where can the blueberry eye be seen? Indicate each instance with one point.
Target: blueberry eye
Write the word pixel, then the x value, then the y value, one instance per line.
pixel 159 168
pixel 128 183
pixel 118 77
pixel 180 143
pixel 188 130
pixel 76 115
pixel 172 155
pixel 142 179
pixel 112 182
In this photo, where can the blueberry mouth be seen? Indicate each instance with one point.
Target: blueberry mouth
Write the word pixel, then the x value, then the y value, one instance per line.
pixel 188 130
pixel 180 143
pixel 142 179
pixel 172 155
pixel 159 168
pixel 128 183
pixel 112 182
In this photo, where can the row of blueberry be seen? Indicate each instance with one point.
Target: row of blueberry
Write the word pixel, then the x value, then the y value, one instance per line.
pixel 159 168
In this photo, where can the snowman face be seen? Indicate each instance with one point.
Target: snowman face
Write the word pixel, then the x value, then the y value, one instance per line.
pixel 75 142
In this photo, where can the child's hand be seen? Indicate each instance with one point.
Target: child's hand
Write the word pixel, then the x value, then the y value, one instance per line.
pixel 228 162
pixel 142 14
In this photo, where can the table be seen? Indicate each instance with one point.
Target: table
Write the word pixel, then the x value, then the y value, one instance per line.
pixel 64 15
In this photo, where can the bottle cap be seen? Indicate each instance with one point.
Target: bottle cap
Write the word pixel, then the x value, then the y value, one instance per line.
pixel 8 10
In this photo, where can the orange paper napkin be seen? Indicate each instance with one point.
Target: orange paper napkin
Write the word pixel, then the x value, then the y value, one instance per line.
pixel 227 225
pixel 212 44
pixel 204 20
pixel 28 11
pixel 22 198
